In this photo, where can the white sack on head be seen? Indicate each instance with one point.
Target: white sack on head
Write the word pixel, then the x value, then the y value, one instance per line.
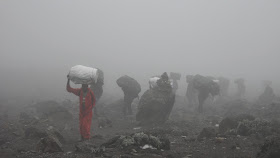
pixel 153 82
pixel 216 81
pixel 80 74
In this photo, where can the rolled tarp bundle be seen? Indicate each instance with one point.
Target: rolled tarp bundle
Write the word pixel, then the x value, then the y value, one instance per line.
pixel 175 76
pixel 80 74
pixel 129 84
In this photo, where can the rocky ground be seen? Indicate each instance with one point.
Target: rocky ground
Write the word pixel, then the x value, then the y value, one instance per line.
pixel 228 129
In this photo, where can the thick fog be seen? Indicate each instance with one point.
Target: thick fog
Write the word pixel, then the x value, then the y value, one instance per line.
pixel 41 40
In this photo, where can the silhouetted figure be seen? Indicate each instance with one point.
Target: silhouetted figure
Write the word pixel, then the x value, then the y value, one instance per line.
pixel 268 95
pixel 131 89
pixel 224 86
pixel 157 102
pixel 241 88
pixel 205 87
pixel 191 93
pixel 175 77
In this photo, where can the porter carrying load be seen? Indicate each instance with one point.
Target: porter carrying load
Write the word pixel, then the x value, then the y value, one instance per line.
pixel 80 74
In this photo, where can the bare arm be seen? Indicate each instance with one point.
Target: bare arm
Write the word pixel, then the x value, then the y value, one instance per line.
pixel 69 89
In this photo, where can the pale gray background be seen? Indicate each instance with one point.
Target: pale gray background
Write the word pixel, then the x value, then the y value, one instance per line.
pixel 41 40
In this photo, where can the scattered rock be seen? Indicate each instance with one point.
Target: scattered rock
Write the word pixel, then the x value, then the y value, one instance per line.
pixel 220 139
pixel 88 147
pixel 258 126
pixel 26 119
pixel 136 128
pixel 139 139
pixel 98 136
pixel 85 147
pixel 7 153
pixel 270 111
pixel 104 122
pixel 147 147
pixel 270 149
pixel 32 132
pixel 107 155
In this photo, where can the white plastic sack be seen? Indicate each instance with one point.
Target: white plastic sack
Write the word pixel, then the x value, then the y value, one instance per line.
pixel 153 82
pixel 216 81
pixel 80 74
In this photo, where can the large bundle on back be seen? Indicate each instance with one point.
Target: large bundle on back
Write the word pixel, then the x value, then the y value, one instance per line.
pixel 175 76
pixel 205 84
pixel 155 106
pixel 201 81
pixel 100 76
pixel 189 78
pixel 156 103
pixel 129 85
pixel 80 74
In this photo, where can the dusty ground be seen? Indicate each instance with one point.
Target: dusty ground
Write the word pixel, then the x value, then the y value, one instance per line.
pixel 182 130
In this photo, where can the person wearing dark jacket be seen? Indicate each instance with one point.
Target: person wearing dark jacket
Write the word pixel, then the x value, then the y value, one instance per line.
pixel 131 89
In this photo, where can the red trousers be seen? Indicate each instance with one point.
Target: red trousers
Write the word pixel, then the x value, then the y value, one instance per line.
pixel 85 123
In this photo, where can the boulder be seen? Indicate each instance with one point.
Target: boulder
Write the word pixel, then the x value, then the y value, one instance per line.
pixel 51 131
pixel 208 132
pixel 227 123
pixel 230 123
pixel 52 142
pixel 88 147
pixel 49 144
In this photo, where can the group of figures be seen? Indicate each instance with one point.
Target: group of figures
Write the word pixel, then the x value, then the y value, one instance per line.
pixel 201 87
pixel 156 104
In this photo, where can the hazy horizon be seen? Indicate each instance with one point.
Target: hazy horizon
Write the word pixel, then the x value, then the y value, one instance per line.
pixel 41 40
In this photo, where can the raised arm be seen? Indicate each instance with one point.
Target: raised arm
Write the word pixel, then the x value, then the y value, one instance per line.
pixel 75 91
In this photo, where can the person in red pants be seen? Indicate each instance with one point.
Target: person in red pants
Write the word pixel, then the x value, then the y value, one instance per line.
pixel 87 102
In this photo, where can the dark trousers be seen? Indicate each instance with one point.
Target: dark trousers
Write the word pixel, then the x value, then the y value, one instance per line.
pixel 127 104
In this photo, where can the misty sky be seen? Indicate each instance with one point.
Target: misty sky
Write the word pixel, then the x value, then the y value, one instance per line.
pixel 41 40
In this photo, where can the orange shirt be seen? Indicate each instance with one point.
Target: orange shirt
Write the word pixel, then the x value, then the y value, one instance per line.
pixel 89 99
